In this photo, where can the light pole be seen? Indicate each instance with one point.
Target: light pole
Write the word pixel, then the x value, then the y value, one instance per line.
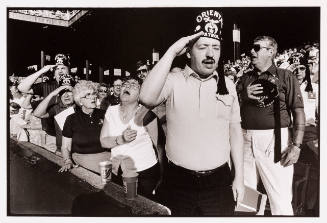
pixel 236 41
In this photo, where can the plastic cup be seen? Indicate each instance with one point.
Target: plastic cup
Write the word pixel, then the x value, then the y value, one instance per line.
pixel 130 184
pixel 105 171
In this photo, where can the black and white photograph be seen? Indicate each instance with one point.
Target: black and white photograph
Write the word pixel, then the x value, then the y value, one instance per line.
pixel 123 111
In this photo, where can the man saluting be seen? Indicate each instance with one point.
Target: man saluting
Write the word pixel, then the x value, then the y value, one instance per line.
pixel 203 124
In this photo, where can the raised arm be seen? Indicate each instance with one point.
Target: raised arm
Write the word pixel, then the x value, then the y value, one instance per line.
pixel 26 84
pixel 153 84
pixel 41 110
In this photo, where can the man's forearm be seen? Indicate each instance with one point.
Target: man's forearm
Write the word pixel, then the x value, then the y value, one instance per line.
pixel 298 126
pixel 236 142
pixel 41 109
pixel 27 82
pixel 153 84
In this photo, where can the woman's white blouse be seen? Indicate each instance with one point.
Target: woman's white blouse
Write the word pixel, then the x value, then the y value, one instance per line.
pixel 140 151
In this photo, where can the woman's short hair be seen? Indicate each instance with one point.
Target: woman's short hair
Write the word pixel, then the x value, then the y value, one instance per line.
pixel 81 88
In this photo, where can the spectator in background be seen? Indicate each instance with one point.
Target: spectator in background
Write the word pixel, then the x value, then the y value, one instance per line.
pixel 266 108
pixel 142 70
pixel 312 55
pixel 20 109
pixel 15 95
pixel 310 95
pixel 63 99
pixel 132 132
pixel 307 74
pixel 13 108
pixel 114 98
pixel 81 134
pixel 103 96
pixel 58 70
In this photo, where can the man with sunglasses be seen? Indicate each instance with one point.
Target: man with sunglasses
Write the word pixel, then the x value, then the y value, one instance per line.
pixel 103 96
pixel 142 70
pixel 203 124
pixel 270 150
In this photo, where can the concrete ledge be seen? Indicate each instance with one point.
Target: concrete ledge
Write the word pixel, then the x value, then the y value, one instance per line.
pixel 139 206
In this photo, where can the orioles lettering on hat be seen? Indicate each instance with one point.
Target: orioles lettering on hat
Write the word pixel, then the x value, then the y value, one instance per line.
pixel 211 23
pixel 62 59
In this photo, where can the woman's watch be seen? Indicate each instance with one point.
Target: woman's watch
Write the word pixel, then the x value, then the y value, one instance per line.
pixel 116 140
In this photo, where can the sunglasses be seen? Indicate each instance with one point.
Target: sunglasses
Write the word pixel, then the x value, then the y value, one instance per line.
pixel 103 90
pixel 257 47
pixel 301 68
pixel 141 71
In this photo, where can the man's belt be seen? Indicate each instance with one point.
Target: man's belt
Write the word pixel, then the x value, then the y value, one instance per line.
pixel 195 172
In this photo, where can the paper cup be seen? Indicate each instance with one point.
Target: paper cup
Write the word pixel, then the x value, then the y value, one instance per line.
pixel 130 181
pixel 105 171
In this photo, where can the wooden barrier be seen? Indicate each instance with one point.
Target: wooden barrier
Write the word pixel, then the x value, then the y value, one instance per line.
pixel 139 206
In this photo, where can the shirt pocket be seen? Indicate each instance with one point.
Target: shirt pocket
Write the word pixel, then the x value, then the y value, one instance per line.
pixel 224 105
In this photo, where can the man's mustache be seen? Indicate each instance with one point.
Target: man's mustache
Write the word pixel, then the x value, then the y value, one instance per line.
pixel 208 61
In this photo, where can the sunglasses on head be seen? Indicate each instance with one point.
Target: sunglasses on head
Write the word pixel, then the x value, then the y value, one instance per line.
pixel 257 47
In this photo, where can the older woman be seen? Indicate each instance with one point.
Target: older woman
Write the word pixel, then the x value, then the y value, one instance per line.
pixel 81 133
pixel 131 132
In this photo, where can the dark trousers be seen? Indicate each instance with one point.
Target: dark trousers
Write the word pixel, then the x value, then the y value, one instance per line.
pixel 147 180
pixel 187 194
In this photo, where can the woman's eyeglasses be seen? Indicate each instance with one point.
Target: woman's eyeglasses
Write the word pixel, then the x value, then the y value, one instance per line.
pixel 89 95
pixel 131 85
pixel 257 47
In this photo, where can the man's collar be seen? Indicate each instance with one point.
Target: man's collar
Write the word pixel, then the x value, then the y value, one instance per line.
pixel 189 72
pixel 272 70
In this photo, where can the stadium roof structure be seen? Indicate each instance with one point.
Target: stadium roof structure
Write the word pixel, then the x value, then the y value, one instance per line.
pixel 58 17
